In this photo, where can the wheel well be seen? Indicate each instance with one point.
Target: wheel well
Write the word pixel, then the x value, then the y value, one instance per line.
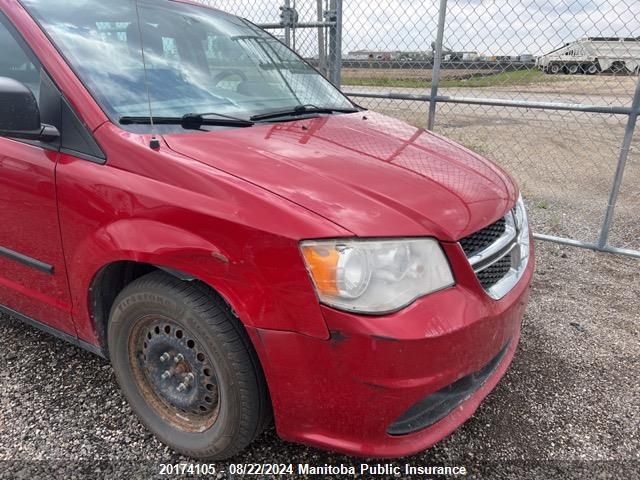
pixel 113 278
pixel 106 286
pixel 109 282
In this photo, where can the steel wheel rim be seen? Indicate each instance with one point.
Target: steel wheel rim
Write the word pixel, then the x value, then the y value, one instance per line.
pixel 174 373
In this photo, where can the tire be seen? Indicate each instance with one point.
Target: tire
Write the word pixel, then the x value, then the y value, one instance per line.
pixel 554 69
pixel 618 67
pixel 592 69
pixel 159 324
pixel 573 69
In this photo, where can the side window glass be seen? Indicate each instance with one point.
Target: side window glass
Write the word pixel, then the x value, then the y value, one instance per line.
pixel 15 63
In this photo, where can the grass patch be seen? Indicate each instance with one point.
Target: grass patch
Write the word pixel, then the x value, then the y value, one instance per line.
pixel 386 82
pixel 520 77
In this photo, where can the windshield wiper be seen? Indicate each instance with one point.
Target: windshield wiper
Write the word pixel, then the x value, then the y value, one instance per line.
pixel 301 110
pixel 190 121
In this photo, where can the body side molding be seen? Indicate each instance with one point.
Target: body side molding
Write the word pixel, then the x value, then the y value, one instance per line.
pixel 26 260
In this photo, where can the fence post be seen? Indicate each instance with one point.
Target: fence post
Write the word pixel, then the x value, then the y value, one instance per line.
pixel 622 161
pixel 286 10
pixel 437 60
pixel 335 42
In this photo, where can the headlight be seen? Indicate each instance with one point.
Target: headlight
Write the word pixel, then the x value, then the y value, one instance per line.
pixel 375 276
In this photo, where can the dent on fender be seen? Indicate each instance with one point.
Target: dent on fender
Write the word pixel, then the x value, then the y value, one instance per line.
pixel 254 301
pixel 147 242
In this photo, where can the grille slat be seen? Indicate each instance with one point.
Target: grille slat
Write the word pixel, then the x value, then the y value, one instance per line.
pixel 494 273
pixel 482 239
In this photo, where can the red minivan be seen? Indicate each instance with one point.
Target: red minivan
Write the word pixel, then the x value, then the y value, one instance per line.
pixel 185 196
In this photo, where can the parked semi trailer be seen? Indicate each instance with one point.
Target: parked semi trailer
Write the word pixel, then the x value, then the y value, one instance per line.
pixel 592 55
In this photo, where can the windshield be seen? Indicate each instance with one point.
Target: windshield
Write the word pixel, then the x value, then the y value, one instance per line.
pixel 197 60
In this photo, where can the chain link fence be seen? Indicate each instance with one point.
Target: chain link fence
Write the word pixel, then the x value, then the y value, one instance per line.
pixel 548 89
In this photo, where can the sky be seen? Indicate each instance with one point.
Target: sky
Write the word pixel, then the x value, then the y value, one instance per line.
pixel 490 27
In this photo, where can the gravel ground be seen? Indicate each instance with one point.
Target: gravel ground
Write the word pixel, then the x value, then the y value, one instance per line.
pixel 567 408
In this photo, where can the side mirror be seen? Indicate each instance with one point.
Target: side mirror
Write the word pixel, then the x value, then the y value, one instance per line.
pixel 19 113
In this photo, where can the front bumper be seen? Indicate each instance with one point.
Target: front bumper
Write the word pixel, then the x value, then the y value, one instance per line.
pixel 346 393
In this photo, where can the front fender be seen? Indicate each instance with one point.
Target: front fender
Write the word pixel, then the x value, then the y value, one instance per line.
pixel 168 247
pixel 238 239
pixel 258 300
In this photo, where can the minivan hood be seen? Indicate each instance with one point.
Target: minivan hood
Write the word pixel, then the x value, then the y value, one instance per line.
pixel 370 174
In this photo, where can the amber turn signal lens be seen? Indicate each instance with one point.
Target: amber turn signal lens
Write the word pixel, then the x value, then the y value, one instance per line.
pixel 322 263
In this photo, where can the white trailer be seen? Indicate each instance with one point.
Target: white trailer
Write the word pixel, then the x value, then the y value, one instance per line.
pixel 592 55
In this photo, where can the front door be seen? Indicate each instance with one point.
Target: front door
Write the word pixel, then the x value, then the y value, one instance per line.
pixel 33 279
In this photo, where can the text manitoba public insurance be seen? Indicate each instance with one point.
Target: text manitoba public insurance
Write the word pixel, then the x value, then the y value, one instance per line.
pixel 384 469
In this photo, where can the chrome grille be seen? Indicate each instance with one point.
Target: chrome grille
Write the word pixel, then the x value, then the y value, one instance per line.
pixel 499 253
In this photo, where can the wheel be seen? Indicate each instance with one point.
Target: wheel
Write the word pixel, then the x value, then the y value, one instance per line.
pixel 592 69
pixel 618 67
pixel 187 368
pixel 554 68
pixel 573 68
